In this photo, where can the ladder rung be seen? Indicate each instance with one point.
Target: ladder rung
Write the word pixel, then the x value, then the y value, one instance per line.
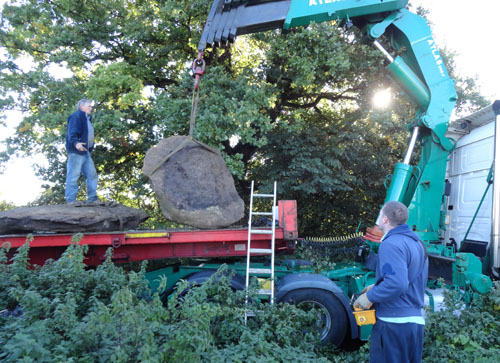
pixel 265 292
pixel 260 271
pixel 252 313
pixel 261 231
pixel 261 250
pixel 262 213
pixel 264 195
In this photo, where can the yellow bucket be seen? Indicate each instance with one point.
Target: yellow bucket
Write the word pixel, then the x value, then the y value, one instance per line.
pixel 364 317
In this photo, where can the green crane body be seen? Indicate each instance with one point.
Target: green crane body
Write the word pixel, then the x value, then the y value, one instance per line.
pixel 420 72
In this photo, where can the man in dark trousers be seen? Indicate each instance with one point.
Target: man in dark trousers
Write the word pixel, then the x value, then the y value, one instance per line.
pixel 398 293
pixel 79 145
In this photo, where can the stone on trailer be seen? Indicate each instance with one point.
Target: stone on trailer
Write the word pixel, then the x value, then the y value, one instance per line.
pixel 72 217
pixel 192 183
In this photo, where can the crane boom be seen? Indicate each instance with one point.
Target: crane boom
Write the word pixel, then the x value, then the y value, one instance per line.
pixel 419 71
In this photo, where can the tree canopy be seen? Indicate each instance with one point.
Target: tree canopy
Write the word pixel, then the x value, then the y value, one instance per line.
pixel 289 107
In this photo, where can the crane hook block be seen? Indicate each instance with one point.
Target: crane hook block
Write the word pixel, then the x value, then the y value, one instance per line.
pixel 198 70
pixel 198 67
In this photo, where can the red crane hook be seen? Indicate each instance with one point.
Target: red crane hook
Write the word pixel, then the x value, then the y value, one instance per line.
pixel 198 69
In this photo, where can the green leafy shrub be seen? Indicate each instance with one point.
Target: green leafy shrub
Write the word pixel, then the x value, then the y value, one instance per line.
pixel 71 312
pixel 64 311
pixel 464 335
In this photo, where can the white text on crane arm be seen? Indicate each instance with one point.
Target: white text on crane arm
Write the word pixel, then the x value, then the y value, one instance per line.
pixel 437 57
pixel 321 2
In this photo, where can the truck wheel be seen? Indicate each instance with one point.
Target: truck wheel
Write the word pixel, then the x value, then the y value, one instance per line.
pixel 332 319
pixel 237 281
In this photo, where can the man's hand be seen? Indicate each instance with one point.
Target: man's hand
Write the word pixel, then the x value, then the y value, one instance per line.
pixel 367 288
pixel 79 146
pixel 362 302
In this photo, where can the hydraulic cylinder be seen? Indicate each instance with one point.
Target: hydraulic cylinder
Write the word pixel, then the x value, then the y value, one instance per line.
pixel 409 82
pixel 399 183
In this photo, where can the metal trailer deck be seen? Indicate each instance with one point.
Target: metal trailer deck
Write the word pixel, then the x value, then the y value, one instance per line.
pixel 130 246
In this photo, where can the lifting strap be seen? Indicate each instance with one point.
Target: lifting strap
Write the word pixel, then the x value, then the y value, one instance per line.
pixel 198 70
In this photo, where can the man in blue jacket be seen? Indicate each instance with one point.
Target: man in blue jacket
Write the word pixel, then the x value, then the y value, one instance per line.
pixel 398 293
pixel 79 145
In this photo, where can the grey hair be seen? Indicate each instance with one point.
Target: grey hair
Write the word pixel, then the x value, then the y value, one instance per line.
pixel 82 102
pixel 396 212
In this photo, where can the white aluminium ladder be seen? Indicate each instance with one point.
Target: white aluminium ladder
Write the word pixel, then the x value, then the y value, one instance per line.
pixel 268 272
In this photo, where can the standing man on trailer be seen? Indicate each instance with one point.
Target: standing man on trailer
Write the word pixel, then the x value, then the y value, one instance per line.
pixel 398 293
pixel 79 145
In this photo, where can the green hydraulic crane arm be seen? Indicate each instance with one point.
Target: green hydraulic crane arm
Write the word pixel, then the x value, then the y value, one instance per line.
pixel 419 71
pixel 302 13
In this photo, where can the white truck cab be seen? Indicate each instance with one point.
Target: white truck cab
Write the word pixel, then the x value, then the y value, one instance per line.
pixel 477 150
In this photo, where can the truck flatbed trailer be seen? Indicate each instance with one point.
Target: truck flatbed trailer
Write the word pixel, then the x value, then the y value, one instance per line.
pixel 132 246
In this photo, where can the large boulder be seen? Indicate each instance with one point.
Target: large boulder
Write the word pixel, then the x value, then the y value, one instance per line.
pixel 73 217
pixel 193 185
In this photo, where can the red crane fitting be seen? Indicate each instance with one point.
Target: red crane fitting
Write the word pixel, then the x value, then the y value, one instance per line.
pixel 198 69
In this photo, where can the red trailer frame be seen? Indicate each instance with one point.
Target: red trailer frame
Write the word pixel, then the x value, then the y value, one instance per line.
pixel 148 245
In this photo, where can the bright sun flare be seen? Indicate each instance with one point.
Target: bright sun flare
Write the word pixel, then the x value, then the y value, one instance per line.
pixel 382 98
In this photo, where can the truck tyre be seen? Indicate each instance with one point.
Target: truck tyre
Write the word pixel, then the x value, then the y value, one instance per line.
pixel 237 281
pixel 332 319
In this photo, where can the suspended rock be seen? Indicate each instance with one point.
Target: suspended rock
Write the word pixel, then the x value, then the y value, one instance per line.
pixel 73 217
pixel 192 183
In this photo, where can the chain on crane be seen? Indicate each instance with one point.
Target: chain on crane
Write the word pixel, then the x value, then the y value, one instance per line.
pixel 198 69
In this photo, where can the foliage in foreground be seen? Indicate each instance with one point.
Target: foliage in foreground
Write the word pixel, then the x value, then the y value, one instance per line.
pixel 64 311
pixel 465 335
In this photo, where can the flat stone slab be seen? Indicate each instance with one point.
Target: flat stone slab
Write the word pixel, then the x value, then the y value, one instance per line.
pixel 73 217
pixel 193 186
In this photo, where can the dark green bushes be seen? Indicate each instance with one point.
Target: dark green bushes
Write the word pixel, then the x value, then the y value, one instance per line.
pixel 69 312
pixel 465 335
pixel 64 311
